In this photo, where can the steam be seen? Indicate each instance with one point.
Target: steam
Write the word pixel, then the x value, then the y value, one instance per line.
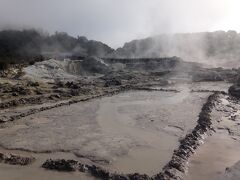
pixel 218 48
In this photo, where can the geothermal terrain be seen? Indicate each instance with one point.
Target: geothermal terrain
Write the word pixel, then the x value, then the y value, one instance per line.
pixel 109 118
pixel 90 112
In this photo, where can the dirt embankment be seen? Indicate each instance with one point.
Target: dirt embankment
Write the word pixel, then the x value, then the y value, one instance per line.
pixel 16 159
pixel 176 168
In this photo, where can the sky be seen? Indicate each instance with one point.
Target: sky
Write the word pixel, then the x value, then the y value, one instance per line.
pixel 115 22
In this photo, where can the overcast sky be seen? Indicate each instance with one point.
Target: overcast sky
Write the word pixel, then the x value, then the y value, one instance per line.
pixel 117 21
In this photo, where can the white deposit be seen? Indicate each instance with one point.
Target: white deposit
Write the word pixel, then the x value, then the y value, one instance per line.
pixel 53 69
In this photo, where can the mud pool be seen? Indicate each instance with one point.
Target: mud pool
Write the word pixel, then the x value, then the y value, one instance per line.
pixel 130 132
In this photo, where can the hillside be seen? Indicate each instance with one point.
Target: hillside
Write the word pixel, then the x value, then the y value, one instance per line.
pixel 31 45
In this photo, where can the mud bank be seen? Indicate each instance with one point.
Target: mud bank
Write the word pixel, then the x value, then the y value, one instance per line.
pixel 177 167
pixel 15 159
pixel 216 159
pixel 98 172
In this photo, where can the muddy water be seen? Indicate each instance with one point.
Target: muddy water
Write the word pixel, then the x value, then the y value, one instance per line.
pixel 134 119
pixel 221 150
pixel 130 132
pixel 155 119
pixel 9 172
pixel 210 162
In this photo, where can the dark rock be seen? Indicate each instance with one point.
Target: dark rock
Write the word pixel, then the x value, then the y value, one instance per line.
pixel 61 165
pixel 54 96
pixel 72 85
pixel 95 65
pixel 16 159
pixel 38 92
pixel 75 92
pixel 15 94
pixel 60 84
pixel 119 177
pixel 113 82
pixel 20 90
pixel 69 84
pixel 96 171
pixel 137 176
pixel 33 84
pixel 99 172
pixel 234 90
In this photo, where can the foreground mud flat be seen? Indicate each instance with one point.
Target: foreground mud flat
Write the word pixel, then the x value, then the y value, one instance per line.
pixel 119 130
pixel 134 131
pixel 145 122
pixel 34 170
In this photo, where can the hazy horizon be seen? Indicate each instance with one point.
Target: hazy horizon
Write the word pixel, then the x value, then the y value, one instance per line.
pixel 116 22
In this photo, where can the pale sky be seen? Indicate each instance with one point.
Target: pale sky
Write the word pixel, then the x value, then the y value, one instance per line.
pixel 115 22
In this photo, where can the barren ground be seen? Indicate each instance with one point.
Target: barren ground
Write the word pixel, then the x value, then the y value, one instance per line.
pixel 123 122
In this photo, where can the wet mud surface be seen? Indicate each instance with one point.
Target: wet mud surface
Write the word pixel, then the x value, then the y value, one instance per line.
pixel 117 132
pixel 33 170
pixel 218 157
pixel 141 131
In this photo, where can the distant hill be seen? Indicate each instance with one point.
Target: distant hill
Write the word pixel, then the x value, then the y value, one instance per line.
pixel 31 45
